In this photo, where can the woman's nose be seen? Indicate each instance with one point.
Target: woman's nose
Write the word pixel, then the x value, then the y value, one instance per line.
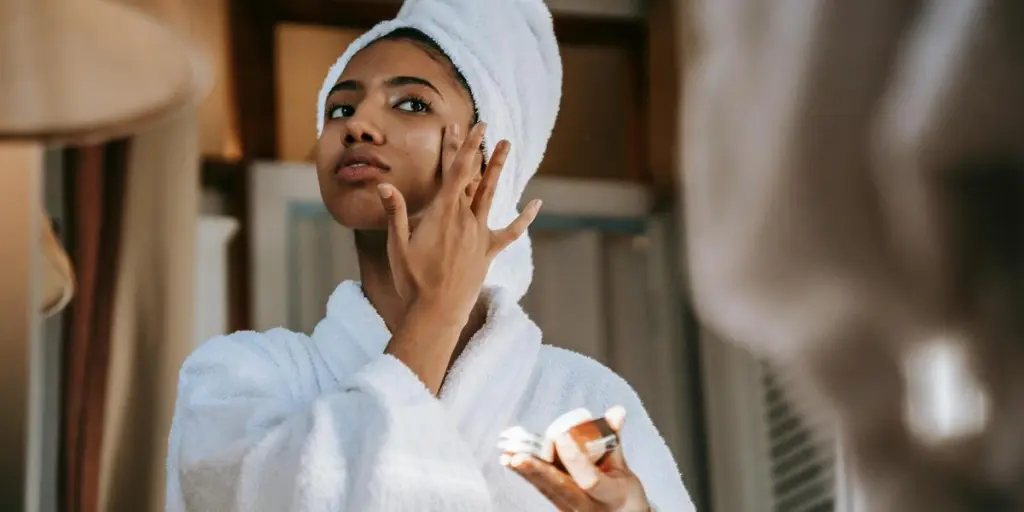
pixel 361 130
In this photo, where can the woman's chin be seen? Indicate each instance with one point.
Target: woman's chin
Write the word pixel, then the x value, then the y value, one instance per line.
pixel 357 210
pixel 362 221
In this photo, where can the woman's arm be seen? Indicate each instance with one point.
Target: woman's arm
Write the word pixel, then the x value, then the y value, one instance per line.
pixel 427 320
pixel 439 267
pixel 240 441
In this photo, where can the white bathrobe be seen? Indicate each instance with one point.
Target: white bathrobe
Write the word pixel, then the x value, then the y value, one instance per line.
pixel 281 421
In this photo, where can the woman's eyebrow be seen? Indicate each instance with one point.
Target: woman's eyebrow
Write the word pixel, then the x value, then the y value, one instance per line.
pixel 347 85
pixel 397 81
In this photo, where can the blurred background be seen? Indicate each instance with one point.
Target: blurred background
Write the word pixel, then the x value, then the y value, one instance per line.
pixel 208 220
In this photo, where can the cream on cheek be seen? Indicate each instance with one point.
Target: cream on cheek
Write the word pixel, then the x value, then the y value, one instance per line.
pixel 424 144
pixel 420 147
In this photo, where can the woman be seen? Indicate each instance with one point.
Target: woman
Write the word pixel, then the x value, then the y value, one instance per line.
pixel 396 400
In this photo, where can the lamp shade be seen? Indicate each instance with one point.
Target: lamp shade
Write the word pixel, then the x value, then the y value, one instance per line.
pixel 88 70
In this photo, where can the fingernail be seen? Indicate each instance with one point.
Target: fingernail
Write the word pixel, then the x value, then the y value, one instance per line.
pixel 537 203
pixel 483 126
pixel 616 416
pixel 520 461
pixel 384 190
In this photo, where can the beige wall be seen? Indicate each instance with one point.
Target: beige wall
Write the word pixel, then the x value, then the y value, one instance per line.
pixel 205 22
pixel 208 22
pixel 303 55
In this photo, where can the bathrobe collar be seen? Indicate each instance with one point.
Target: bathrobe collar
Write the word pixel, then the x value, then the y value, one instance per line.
pixel 487 381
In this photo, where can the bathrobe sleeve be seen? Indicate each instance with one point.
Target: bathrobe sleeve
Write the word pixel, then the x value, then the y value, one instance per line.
pixel 243 439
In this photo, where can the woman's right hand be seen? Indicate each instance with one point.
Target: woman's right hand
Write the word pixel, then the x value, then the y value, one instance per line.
pixel 443 262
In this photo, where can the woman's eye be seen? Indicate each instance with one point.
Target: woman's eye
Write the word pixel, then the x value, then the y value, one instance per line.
pixel 341 111
pixel 413 105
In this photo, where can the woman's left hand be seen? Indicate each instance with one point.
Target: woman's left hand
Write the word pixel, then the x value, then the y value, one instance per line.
pixel 610 487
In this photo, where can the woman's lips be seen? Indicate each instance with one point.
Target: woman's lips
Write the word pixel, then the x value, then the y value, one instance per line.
pixel 358 173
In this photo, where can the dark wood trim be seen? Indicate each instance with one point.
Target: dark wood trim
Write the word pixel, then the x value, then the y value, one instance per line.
pixel 253 77
pixel 96 179
pixel 586 31
pixel 639 115
pixel 364 14
pixel 350 14
pixel 662 83
pixel 231 180
pixel 254 87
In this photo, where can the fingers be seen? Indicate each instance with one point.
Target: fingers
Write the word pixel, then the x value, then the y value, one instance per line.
pixel 616 417
pixel 593 480
pixel 466 161
pixel 555 485
pixel 474 182
pixel 485 192
pixel 583 471
pixel 501 238
pixel 450 146
pixel 398 219
pixel 472 188
pixel 615 461
pixel 602 485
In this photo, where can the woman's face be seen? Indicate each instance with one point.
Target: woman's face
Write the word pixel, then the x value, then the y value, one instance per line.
pixel 384 123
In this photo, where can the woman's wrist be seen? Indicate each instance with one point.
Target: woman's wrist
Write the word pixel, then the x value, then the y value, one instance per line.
pixel 434 316
pixel 437 311
pixel 426 340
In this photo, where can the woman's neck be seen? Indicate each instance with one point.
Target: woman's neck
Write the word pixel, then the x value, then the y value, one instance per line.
pixel 379 287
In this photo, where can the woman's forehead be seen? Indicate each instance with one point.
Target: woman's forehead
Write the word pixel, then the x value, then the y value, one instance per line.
pixel 385 59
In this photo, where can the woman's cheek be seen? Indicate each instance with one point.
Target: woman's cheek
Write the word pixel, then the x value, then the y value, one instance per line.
pixel 424 144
